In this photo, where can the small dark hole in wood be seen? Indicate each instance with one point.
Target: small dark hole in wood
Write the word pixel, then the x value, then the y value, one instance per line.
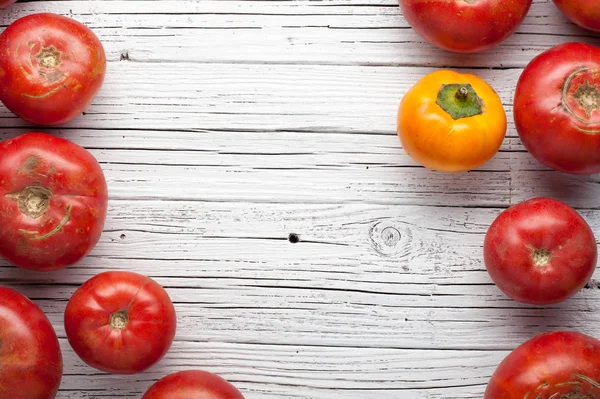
pixel 123 236
pixel 293 238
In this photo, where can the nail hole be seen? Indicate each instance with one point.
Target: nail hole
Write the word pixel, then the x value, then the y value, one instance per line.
pixel 293 238
pixel 123 236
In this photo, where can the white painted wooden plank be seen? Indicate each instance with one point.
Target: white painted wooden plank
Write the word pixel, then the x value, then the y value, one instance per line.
pixel 259 97
pixel 307 167
pixel 276 312
pixel 243 282
pixel 278 34
pixel 284 105
pixel 265 371
pixel 209 13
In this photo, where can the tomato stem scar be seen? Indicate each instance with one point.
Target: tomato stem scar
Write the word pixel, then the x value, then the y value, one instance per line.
pixel 541 257
pixel 33 201
pixel 48 57
pixel 586 96
pixel 575 392
pixel 119 320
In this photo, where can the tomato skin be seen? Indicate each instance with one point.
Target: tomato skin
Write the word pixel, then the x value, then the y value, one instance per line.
pixel 51 68
pixel 30 353
pixel 40 170
pixel 434 139
pixel 585 13
pixel 100 336
pixel 6 3
pixel 465 27
pixel 559 364
pixel 192 384
pixel 540 251
pixel 554 94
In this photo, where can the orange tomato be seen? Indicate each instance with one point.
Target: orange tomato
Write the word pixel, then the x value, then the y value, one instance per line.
pixel 451 122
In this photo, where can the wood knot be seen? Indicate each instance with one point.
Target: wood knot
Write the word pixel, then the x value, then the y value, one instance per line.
pixel 385 238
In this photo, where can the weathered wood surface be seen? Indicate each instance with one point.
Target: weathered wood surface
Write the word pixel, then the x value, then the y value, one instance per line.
pixel 226 126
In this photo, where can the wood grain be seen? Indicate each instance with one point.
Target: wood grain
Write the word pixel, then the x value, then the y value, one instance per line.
pixel 225 126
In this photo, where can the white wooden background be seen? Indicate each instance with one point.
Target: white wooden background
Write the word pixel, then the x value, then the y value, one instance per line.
pixel 224 126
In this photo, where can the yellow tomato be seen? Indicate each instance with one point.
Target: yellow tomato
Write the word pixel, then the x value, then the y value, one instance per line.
pixel 451 122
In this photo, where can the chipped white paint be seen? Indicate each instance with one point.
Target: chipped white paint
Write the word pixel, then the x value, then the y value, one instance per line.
pixel 225 126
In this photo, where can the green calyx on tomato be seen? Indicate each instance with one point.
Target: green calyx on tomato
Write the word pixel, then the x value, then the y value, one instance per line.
pixel 459 100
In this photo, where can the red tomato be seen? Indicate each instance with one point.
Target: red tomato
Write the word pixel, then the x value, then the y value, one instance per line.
pixel 540 251
pixel 557 365
pixel 192 384
pixel 51 68
pixel 6 3
pixel 557 108
pixel 120 322
pixel 585 13
pixel 465 26
pixel 53 198
pixel 29 351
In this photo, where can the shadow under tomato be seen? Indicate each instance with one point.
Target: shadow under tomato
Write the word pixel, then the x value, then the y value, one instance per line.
pixel 579 191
